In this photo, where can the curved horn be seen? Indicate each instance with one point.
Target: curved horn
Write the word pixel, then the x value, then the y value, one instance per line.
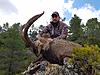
pixel 25 27
pixel 22 33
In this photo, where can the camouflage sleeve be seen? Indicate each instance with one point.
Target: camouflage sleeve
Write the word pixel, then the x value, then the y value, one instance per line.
pixel 64 32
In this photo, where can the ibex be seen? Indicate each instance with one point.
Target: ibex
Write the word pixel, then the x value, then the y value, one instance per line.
pixel 54 52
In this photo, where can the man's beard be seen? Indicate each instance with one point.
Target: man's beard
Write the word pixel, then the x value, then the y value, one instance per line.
pixel 54 23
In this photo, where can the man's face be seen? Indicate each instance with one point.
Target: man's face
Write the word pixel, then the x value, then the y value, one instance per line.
pixel 55 18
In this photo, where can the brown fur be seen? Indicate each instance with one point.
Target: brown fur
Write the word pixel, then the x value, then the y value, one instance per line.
pixel 61 48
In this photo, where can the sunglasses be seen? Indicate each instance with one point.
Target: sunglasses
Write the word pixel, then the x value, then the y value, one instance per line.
pixel 54 16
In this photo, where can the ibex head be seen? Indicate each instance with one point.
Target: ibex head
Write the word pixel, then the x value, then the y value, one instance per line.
pixel 42 43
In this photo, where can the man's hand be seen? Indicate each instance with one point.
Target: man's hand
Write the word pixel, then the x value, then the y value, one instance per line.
pixel 50 40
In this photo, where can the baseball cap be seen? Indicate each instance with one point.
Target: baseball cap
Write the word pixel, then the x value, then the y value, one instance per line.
pixel 55 13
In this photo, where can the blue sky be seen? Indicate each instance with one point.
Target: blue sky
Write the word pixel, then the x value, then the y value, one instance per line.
pixel 80 3
pixel 14 11
pixel 83 7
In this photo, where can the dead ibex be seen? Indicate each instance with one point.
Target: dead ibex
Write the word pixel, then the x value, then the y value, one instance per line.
pixel 54 52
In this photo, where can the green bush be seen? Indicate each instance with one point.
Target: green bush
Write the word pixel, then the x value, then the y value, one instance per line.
pixel 88 58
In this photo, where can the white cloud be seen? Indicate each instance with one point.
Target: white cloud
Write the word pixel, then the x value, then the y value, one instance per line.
pixel 27 8
pixel 69 5
pixel 86 12
pixel 7 7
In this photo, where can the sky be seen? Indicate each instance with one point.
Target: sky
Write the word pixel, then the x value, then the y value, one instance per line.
pixel 15 11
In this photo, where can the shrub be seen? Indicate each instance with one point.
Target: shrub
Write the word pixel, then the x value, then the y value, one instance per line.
pixel 87 58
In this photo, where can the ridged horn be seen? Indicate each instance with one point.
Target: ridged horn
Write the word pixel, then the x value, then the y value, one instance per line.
pixel 24 30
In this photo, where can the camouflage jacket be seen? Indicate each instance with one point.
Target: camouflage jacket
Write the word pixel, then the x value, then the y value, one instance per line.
pixel 56 31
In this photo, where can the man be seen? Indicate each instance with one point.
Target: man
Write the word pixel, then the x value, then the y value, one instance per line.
pixel 56 28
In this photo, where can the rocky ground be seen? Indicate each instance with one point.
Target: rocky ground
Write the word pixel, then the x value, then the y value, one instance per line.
pixel 54 69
